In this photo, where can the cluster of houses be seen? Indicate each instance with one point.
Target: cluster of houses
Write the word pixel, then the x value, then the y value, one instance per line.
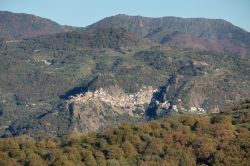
pixel 166 107
pixel 44 61
pixel 130 102
pixel 195 110
pixel 123 100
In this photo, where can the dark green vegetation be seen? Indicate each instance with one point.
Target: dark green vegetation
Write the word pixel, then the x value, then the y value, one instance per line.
pixel 37 74
pixel 186 140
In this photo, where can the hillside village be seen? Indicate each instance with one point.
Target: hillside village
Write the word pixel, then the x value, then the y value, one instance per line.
pixel 132 102
pixel 129 102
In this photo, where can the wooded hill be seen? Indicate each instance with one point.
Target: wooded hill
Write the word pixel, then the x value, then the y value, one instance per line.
pixel 186 140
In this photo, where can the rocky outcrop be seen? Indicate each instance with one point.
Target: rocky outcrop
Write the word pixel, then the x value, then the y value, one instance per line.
pixel 169 98
pixel 130 103
pixel 90 111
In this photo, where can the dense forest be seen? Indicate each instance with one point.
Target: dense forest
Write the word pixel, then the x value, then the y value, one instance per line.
pixel 217 139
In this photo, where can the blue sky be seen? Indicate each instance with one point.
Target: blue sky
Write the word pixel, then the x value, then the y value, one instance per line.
pixel 85 12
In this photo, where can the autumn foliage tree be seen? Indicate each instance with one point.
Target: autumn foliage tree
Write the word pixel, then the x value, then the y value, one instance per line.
pixel 186 140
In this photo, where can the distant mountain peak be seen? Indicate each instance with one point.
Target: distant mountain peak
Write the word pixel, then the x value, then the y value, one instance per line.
pixel 20 25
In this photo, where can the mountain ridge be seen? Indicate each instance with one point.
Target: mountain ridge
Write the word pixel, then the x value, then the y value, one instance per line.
pixel 206 31
pixel 164 20
pixel 22 25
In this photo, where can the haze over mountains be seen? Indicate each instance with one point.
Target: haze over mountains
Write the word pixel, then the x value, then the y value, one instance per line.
pixel 199 33
pixel 196 65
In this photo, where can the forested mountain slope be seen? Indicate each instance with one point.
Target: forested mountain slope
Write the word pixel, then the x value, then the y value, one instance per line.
pixel 110 72
pixel 199 33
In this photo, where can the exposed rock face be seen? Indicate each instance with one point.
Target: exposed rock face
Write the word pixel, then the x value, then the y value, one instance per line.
pixel 90 116
pixel 169 97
